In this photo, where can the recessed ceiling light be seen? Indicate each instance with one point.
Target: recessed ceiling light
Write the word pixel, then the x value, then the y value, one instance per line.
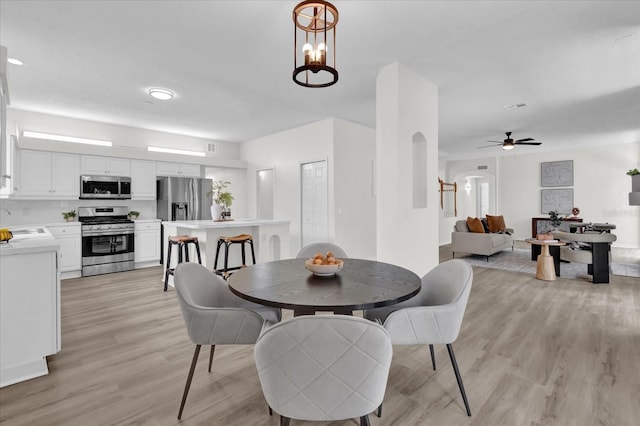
pixel 514 106
pixel 161 94
pixel 15 61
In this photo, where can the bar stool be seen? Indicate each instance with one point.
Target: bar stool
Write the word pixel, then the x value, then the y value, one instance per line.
pixel 182 241
pixel 241 239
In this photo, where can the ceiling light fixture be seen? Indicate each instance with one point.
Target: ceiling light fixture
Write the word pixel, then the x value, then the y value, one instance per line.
pixel 176 151
pixel 62 138
pixel 314 64
pixel 15 61
pixel 161 94
pixel 508 145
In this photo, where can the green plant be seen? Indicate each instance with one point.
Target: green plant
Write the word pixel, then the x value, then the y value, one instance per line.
pixel 69 214
pixel 220 196
pixel 134 214
pixel 555 219
pixel 633 172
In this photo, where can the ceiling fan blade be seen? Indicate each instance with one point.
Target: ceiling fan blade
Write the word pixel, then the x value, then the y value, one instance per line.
pixel 525 140
pixel 489 146
pixel 495 141
pixel 528 143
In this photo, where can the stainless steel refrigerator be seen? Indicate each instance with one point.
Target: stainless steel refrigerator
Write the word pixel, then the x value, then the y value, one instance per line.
pixel 181 198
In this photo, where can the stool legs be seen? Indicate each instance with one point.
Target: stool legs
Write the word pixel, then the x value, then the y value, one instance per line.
pixel 224 272
pixel 167 266
pixel 183 254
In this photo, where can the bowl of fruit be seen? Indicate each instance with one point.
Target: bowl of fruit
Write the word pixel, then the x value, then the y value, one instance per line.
pixel 324 265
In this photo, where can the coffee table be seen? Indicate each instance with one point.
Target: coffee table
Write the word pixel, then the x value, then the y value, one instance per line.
pixel 361 284
pixel 546 264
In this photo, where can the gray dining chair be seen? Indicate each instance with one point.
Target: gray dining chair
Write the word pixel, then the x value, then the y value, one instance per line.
pixel 433 316
pixel 311 249
pixel 324 368
pixel 215 316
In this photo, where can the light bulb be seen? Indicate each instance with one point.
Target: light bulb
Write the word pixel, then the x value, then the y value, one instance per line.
pixel 307 48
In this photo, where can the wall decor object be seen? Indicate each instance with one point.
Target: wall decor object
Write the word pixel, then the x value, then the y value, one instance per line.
pixel 558 200
pixel 556 173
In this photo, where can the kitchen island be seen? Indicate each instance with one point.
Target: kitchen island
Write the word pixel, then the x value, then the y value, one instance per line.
pixel 29 304
pixel 270 238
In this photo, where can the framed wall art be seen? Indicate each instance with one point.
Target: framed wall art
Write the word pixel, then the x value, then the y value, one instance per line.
pixel 556 173
pixel 558 200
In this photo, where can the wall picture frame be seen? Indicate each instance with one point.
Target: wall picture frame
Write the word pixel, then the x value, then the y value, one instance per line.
pixel 558 200
pixel 556 173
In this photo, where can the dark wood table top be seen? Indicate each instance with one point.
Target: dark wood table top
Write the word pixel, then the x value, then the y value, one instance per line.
pixel 361 284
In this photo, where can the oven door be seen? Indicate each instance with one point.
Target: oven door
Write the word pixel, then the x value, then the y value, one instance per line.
pixel 100 247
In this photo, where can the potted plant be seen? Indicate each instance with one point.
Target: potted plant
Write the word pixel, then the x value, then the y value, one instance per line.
pixel 635 180
pixel 555 219
pixel 222 199
pixel 69 216
pixel 133 215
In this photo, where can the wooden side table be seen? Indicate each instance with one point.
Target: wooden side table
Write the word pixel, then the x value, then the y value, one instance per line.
pixel 546 268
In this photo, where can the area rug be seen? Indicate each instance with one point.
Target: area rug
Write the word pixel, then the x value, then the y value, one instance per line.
pixel 520 260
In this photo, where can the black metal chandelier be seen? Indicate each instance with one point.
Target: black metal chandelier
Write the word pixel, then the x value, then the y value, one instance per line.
pixel 314 61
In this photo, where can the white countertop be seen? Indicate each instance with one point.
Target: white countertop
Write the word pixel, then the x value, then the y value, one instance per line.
pixel 29 243
pixel 236 223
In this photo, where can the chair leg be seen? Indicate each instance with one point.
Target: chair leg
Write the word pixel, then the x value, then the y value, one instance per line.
pixel 213 348
pixel 284 421
pixel 188 385
pixel 433 357
pixel 364 421
pixel 270 410
pixel 379 410
pixel 458 378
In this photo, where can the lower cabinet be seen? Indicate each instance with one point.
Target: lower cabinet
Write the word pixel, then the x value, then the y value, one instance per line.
pixel 147 243
pixel 69 237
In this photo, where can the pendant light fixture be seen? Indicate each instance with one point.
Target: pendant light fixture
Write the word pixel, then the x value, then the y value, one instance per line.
pixel 314 44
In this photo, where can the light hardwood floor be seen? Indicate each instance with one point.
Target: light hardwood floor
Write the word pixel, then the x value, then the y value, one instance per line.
pixel 530 353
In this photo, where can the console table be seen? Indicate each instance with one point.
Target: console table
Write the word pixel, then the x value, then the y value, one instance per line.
pixel 540 225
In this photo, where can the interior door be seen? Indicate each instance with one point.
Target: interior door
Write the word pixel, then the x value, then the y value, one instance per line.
pixel 264 194
pixel 314 202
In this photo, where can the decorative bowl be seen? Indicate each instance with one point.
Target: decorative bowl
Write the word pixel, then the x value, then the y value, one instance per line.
pixel 323 270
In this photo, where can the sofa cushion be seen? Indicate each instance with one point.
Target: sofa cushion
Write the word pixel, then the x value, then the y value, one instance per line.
pixel 496 223
pixel 461 226
pixel 475 225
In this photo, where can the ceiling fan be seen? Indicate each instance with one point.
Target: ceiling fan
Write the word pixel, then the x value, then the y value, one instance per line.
pixel 509 143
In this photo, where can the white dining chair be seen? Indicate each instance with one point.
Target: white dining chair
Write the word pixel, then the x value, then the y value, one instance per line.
pixel 214 315
pixel 433 316
pixel 324 368
pixel 311 249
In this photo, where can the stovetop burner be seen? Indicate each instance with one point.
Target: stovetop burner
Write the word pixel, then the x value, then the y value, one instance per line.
pixel 103 215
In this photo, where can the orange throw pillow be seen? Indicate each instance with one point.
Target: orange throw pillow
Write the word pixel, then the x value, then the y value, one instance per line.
pixel 496 223
pixel 475 225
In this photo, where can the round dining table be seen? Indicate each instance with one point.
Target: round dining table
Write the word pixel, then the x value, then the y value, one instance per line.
pixel 361 284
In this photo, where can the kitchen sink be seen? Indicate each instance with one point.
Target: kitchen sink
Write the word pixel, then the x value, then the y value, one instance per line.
pixel 28 231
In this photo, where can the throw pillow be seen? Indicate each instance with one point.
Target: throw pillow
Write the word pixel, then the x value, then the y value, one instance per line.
pixel 496 223
pixel 475 225
pixel 485 225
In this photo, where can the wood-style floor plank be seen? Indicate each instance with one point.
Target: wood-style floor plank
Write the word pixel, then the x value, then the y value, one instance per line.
pixel 530 353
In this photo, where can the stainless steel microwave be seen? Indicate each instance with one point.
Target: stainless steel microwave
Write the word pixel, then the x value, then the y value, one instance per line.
pixel 105 187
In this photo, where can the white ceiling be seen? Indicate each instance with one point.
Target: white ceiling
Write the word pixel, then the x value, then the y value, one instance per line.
pixel 576 64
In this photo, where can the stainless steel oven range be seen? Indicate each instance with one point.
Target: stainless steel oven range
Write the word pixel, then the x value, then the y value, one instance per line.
pixel 107 240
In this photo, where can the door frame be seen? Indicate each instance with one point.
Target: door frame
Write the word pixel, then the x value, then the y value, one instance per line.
pixel 329 202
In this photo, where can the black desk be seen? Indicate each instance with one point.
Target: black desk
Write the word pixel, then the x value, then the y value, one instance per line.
pixel 362 284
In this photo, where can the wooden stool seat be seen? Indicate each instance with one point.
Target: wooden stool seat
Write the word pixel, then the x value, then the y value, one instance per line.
pixel 182 241
pixel 227 242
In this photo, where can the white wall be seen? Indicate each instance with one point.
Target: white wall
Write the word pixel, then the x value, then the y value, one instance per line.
pixel 237 188
pixel 284 152
pixel 600 188
pixel 406 105
pixel 354 152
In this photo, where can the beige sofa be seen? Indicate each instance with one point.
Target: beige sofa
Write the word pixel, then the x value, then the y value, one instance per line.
pixel 465 241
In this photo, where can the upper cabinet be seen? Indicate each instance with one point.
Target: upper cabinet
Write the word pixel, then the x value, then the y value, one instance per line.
pixel 94 165
pixel 43 174
pixel 177 169
pixel 143 180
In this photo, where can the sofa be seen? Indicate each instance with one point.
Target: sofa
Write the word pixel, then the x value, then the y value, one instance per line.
pixel 592 248
pixel 485 243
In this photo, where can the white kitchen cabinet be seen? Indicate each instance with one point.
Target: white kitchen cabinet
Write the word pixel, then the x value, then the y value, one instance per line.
pixel 112 166
pixel 47 175
pixel 147 243
pixel 177 169
pixel 29 313
pixel 69 236
pixel 143 180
